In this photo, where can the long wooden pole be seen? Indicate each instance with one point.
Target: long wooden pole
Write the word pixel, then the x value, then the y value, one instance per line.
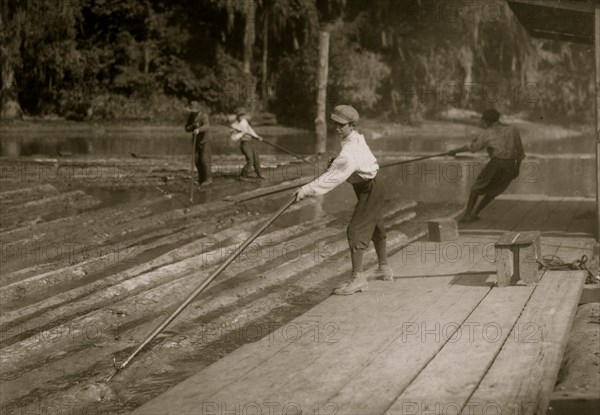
pixel 395 163
pixel 597 90
pixel 204 284
pixel 285 150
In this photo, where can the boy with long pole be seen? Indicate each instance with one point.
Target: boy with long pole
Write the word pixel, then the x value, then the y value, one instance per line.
pixel 357 165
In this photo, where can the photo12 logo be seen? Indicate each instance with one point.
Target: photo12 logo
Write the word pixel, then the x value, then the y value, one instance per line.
pixel 295 331
pixel 471 332
pixel 52 173
pixel 267 408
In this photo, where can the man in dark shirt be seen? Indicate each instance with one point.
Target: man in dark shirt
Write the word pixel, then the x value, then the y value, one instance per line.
pixel 504 146
pixel 198 124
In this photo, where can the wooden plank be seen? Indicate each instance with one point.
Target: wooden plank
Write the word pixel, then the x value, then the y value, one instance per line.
pixel 265 191
pixel 423 259
pixel 505 215
pixel 383 336
pixel 581 6
pixel 523 375
pixel 569 216
pixel 534 213
pixel 527 211
pixel 284 372
pixel 558 219
pixel 517 238
pixel 446 383
pixel 442 229
pixel 318 371
pixel 580 223
pixel 392 368
pixel 494 213
pixel 536 217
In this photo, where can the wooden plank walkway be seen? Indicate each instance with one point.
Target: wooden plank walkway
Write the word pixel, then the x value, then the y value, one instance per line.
pixel 420 345
pixel 441 339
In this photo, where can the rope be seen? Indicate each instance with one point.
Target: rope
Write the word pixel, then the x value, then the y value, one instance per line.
pixel 555 263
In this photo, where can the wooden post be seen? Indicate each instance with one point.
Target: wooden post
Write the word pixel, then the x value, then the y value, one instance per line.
pixel 517 256
pixel 320 120
pixel 597 90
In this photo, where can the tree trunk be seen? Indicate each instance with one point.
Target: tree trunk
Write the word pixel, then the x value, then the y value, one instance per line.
pixel 465 57
pixel 8 77
pixel 265 59
pixel 249 33
pixel 146 57
pixel 597 91
pixel 320 121
pixel 9 106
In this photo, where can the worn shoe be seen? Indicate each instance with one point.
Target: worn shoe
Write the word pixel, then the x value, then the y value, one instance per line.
pixel 359 283
pixel 343 284
pixel 384 272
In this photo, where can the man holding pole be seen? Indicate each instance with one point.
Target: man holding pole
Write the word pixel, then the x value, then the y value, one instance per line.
pixel 504 146
pixel 242 131
pixel 198 124
pixel 357 165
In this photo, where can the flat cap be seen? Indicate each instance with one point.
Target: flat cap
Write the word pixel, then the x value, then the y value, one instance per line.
pixel 344 114
pixel 490 115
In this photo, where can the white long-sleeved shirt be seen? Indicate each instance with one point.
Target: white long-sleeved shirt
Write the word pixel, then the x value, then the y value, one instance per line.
pixel 355 163
pixel 241 130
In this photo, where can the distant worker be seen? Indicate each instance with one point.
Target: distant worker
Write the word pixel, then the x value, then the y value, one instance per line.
pixel 504 146
pixel 357 165
pixel 198 124
pixel 242 131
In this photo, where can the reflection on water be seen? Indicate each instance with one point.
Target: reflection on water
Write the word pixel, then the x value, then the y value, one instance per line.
pixel 163 141
pixel 171 140
pixel 442 179
pixel 448 181
pixel 583 144
pixel 451 180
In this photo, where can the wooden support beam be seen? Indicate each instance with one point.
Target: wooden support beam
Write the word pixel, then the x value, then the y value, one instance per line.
pixel 517 256
pixel 597 90
pixel 585 6
pixel 522 377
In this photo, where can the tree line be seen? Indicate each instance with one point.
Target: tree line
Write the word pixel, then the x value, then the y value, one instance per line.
pixel 397 59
